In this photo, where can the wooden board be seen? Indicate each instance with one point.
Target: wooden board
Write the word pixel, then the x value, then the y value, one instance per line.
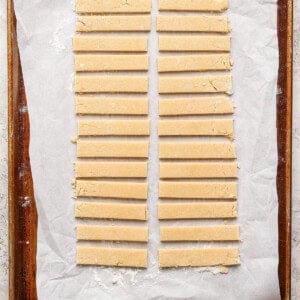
pixel 23 218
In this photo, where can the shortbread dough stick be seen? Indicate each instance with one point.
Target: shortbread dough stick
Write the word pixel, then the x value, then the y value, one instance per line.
pixel 117 149
pixel 197 190
pixel 112 233
pixel 110 44
pixel 196 210
pixel 113 127
pixel 193 5
pixel 111 106
pixel 112 189
pixel 109 169
pixel 199 233
pixel 174 258
pixel 192 24
pixel 114 211
pixel 113 23
pixel 112 257
pixel 195 106
pixel 197 150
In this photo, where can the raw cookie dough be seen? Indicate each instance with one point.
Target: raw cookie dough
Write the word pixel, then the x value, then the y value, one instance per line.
pixel 173 258
pixel 113 23
pixel 192 24
pixel 111 106
pixel 110 43
pixel 112 189
pixel 176 43
pixel 196 210
pixel 114 211
pixel 194 63
pixel 118 149
pixel 111 84
pixel 195 106
pixel 112 233
pixel 113 6
pixel 211 127
pixel 193 5
pixel 195 84
pixel 110 169
pixel 199 233
pixel 197 190
pixel 102 62
pixel 112 257
pixel 113 127
pixel 198 170
pixel 196 150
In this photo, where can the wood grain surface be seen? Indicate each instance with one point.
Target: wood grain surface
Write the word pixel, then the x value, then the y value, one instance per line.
pixel 22 209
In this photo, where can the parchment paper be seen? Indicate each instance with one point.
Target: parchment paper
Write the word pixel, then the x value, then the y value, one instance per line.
pixel 45 31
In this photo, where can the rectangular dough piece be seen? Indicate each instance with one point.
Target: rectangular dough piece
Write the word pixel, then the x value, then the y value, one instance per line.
pixel 116 62
pixel 112 257
pixel 112 189
pixel 198 190
pixel 193 5
pixel 112 233
pixel 194 63
pixel 117 149
pixel 109 169
pixel 113 211
pixel 111 84
pixel 113 127
pixel 113 6
pixel 111 106
pixel 194 85
pixel 211 127
pixel 194 210
pixel 199 233
pixel 198 170
pixel 205 257
pixel 195 106
pixel 181 43
pixel 192 24
pixel 113 23
pixel 110 43
pixel 197 150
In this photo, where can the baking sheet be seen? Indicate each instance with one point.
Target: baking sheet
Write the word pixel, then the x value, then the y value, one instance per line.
pixel 45 30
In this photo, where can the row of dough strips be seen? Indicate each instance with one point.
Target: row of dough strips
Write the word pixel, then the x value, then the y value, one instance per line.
pixel 197 165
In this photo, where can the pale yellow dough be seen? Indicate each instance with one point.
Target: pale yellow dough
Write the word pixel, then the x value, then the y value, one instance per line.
pixel 192 24
pixel 199 233
pixel 116 149
pixel 195 106
pixel 194 85
pixel 113 127
pixel 113 211
pixel 112 257
pixel 197 190
pixel 111 106
pixel 196 150
pixel 112 233
pixel 112 189
pixel 111 84
pixel 101 62
pixel 192 63
pixel 193 5
pixel 198 170
pixel 205 257
pixel 212 127
pixel 110 44
pixel 110 169
pixel 113 23
pixel 113 6
pixel 196 210
pixel 176 43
